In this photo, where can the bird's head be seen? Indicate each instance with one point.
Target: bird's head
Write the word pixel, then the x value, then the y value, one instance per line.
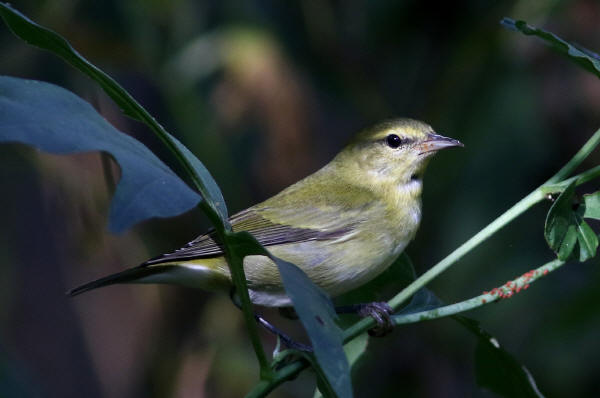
pixel 392 152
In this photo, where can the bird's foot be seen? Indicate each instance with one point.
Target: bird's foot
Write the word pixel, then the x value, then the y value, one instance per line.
pixel 381 312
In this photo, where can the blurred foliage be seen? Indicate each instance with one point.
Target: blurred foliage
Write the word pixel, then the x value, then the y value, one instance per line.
pixel 264 93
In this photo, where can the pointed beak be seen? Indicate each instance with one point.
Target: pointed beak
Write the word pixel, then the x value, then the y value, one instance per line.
pixel 435 142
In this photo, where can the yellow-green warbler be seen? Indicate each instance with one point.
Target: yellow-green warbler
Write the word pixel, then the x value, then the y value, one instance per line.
pixel 342 225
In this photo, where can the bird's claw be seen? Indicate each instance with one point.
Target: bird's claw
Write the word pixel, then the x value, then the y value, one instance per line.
pixel 381 312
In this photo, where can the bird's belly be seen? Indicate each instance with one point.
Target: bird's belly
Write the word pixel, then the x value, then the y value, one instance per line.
pixel 336 267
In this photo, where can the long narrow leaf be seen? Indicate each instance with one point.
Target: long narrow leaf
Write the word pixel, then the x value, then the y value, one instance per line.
pixel 583 57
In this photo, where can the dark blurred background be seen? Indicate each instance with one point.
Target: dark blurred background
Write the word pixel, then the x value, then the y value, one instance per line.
pixel 265 92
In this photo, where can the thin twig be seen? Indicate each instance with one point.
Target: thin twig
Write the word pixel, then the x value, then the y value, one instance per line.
pixel 505 291
pixel 577 159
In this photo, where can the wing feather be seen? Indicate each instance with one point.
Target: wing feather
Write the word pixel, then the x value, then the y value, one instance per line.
pixel 265 231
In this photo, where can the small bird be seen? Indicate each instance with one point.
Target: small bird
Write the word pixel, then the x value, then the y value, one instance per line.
pixel 342 225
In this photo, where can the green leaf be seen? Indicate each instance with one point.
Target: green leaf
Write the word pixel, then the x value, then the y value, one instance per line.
pixel 568 244
pixel 44 38
pixel 354 350
pixel 210 189
pixel 557 220
pixel 592 205
pixel 587 239
pixel 583 57
pixel 316 312
pixel 565 228
pixel 57 121
pixel 496 369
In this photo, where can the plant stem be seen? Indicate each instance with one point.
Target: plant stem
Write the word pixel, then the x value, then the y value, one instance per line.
pixel 576 160
pixel 238 279
pixel 581 178
pixel 512 213
pixel 502 292
pixel 587 175
pixel 241 289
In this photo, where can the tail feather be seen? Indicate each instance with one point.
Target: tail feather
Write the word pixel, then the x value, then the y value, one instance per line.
pixel 127 276
pixel 206 274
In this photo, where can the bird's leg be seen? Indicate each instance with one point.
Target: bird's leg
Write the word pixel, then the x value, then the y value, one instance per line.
pixel 381 312
pixel 285 339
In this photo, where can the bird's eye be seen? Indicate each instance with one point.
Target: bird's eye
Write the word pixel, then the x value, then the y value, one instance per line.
pixel 394 141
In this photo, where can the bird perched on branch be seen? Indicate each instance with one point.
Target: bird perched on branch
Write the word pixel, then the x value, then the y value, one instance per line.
pixel 342 225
